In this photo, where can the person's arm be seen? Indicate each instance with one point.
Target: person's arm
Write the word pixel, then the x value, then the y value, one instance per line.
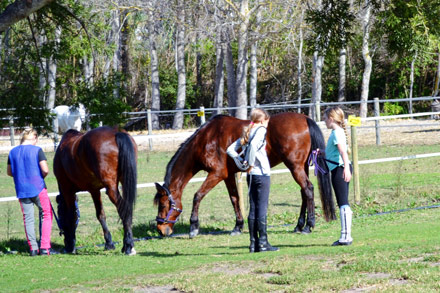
pixel 9 170
pixel 232 149
pixel 44 168
pixel 344 155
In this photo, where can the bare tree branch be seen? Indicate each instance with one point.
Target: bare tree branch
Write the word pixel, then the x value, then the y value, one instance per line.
pixel 19 10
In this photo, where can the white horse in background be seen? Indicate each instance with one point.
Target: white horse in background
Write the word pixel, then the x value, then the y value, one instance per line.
pixel 68 117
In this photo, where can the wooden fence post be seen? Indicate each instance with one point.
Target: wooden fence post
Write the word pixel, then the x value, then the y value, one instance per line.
pixel 202 115
pixel 12 130
pixel 377 122
pixel 239 179
pixel 150 128
pixel 357 196
pixel 318 111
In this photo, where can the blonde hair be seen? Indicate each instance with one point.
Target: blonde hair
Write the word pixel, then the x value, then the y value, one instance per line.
pixel 338 117
pixel 28 134
pixel 257 115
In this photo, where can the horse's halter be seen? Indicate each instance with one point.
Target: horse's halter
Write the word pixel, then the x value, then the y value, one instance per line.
pixel 173 207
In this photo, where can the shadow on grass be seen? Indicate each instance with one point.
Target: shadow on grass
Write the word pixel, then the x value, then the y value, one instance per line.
pixel 283 204
pixel 180 229
pixel 20 246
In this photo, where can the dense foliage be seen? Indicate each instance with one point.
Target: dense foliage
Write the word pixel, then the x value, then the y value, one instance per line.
pixel 100 40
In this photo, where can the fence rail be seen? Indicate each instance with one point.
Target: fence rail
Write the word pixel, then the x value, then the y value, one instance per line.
pixel 281 171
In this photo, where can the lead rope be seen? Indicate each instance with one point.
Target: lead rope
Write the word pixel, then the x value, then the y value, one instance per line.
pixel 313 160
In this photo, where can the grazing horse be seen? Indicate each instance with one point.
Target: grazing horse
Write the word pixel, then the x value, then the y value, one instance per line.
pixel 100 158
pixel 68 117
pixel 291 137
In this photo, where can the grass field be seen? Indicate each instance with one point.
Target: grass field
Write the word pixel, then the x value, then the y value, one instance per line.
pixel 394 252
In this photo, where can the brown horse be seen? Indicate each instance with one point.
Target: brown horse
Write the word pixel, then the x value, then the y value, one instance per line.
pixel 291 137
pixel 100 158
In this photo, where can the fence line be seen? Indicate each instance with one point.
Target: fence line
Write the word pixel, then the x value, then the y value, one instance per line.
pixel 201 179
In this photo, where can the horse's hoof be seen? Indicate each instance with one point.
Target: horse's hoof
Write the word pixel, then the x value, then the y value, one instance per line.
pixel 64 251
pixel 235 232
pixel 132 252
pixel 297 229
pixel 193 233
pixel 110 246
pixel 306 230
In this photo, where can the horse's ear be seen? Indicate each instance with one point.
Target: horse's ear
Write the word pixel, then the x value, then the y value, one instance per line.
pixel 159 187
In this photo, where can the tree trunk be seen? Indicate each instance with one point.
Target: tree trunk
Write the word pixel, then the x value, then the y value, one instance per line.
pixel 437 78
pixel 301 42
pixel 112 39
pixel 154 62
pixel 116 62
pixel 125 50
pixel 2 46
pixel 342 75
pixel 253 76
pixel 367 60
pixel 181 72
pixel 219 77
pixel 242 60
pixel 231 80
pixel 253 65
pixel 411 84
pixel 43 77
pixel 318 63
pixel 52 73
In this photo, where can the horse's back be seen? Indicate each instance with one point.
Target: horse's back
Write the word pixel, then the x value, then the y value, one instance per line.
pixel 86 157
pixel 288 137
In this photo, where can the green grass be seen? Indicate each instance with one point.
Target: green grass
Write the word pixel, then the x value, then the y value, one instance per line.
pixel 393 252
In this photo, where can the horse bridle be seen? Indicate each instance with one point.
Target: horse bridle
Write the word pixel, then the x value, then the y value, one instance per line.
pixel 173 207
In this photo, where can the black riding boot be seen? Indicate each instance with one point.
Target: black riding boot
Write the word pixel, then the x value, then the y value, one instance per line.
pixel 264 244
pixel 253 235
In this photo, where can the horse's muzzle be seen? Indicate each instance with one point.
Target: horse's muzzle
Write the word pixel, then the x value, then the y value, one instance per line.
pixel 164 230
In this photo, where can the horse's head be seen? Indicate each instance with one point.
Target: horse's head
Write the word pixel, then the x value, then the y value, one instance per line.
pixel 168 210
pixel 82 112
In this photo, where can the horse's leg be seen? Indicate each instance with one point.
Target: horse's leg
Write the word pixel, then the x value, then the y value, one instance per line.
pixel 100 214
pixel 68 217
pixel 231 185
pixel 210 182
pixel 302 214
pixel 308 202
pixel 113 193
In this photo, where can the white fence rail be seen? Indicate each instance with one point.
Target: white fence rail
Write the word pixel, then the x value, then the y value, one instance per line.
pixel 201 179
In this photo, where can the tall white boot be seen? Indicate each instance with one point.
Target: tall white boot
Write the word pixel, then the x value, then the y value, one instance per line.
pixel 346 216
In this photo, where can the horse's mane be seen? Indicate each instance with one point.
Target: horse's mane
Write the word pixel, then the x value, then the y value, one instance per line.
pixel 183 145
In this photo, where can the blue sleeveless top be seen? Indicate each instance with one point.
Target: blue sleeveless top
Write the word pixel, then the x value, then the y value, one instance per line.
pixel 25 166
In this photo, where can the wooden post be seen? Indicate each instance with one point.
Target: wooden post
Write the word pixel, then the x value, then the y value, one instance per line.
pixel 202 115
pixel 239 179
pixel 377 122
pixel 318 111
pixel 150 128
pixel 12 130
pixel 357 196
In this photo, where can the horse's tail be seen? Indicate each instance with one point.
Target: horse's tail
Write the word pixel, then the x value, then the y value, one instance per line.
pixel 127 171
pixel 324 183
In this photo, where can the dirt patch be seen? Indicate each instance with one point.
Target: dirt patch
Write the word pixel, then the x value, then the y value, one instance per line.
pixel 378 275
pixel 157 289
pixel 233 269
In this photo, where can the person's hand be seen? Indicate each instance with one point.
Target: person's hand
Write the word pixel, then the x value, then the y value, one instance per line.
pixel 347 174
pixel 249 170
